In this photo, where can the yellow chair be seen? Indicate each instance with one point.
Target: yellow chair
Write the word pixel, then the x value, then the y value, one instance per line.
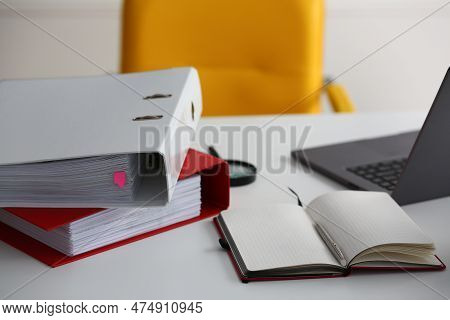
pixel 253 56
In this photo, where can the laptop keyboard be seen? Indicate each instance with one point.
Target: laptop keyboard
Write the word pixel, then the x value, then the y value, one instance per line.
pixel 385 174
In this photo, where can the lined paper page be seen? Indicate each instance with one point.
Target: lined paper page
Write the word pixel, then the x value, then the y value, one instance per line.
pixel 358 220
pixel 275 237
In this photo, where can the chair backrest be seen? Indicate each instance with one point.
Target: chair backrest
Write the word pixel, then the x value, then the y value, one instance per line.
pixel 253 56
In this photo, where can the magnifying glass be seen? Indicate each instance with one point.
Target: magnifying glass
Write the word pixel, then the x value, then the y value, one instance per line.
pixel 241 172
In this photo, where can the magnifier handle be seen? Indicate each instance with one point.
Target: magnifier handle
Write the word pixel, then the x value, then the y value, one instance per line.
pixel 212 151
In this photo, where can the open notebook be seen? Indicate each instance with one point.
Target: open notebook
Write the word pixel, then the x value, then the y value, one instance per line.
pixel 336 232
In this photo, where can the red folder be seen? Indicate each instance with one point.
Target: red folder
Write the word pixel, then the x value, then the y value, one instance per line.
pixel 215 192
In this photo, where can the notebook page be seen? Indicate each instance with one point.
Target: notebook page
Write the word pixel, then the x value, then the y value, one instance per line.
pixel 358 220
pixel 276 236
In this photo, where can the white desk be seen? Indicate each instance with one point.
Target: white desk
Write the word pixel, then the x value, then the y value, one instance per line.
pixel 188 263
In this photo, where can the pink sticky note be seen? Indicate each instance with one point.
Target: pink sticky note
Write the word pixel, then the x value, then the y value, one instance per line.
pixel 120 178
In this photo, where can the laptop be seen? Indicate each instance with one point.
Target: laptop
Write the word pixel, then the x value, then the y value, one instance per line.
pixel 411 166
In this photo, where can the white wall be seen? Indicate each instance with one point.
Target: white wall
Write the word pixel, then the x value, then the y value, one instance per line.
pixel 404 75
pixel 91 27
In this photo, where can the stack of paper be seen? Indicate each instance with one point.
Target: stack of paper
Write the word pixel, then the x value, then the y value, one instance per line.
pixel 112 225
pixel 85 180
pixel 57 236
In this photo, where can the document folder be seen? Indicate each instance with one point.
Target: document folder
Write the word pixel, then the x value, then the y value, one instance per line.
pixel 215 198
pixel 149 116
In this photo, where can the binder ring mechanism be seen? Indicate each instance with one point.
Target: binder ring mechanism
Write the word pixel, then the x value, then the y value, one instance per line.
pixel 157 96
pixel 159 116
pixel 143 118
pixel 153 96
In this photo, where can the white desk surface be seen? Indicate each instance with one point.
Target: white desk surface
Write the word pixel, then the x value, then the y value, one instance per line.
pixel 187 263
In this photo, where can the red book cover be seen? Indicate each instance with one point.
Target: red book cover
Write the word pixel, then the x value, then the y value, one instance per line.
pixel 215 195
